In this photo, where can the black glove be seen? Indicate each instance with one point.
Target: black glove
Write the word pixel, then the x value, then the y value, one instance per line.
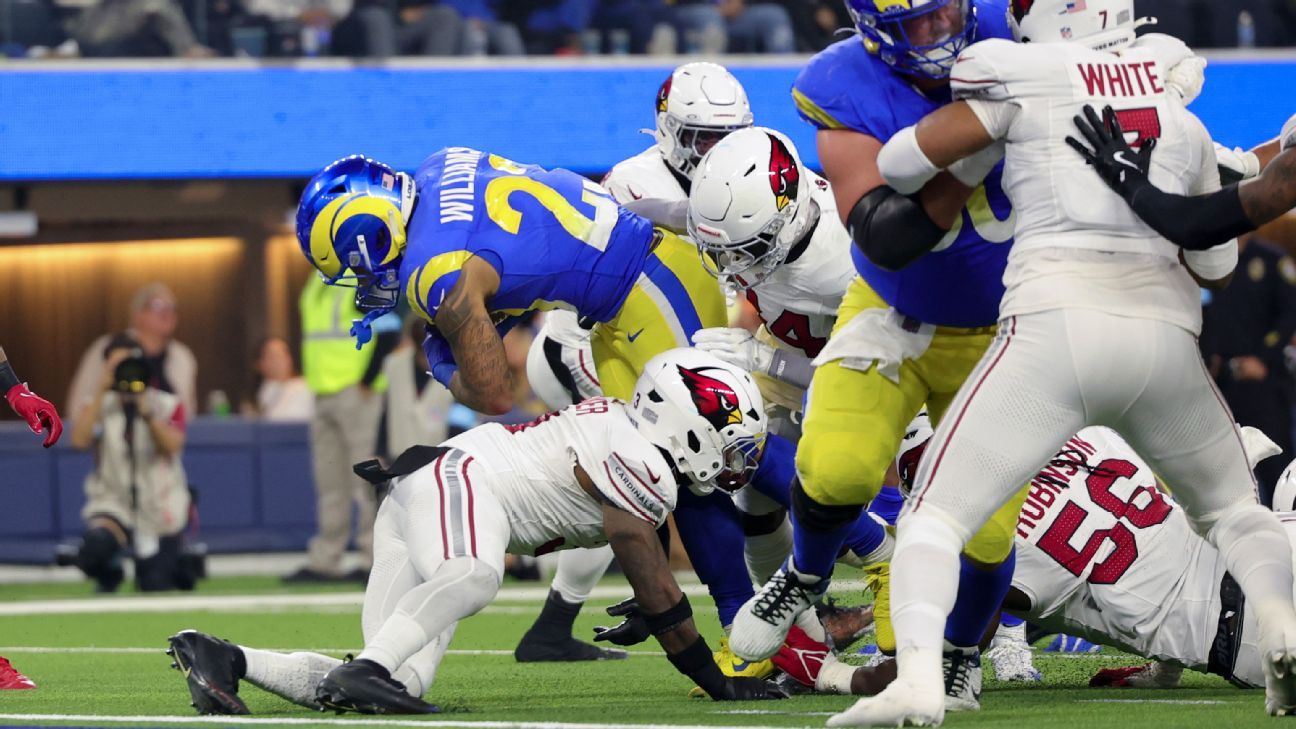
pixel 748 688
pixel 1123 169
pixel 633 630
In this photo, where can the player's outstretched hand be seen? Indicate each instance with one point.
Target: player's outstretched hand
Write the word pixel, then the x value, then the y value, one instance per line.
pixel 736 346
pixel 37 411
pixel 1109 154
pixel 747 688
pixel 633 630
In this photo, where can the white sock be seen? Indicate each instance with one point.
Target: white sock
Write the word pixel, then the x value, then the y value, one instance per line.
pixel 765 553
pixel 1257 554
pixel 834 676
pixel 808 621
pixel 292 676
pixel 579 570
pixel 419 672
pixel 457 588
pixel 924 584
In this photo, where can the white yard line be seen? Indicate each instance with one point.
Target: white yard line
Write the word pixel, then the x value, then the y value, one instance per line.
pixel 289 721
pixel 14 649
pixel 1153 701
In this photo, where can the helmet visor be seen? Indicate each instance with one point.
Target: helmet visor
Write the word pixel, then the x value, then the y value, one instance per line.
pixel 741 263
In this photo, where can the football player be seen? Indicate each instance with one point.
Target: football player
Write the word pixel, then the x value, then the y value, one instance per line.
pixel 1191 222
pixel 1083 272
pixel 600 472
pixel 698 104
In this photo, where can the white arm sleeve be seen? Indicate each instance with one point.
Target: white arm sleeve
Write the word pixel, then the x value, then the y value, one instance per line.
pixel 996 116
pixel 665 213
pixel 903 164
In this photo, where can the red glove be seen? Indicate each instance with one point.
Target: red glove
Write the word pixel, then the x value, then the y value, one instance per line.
pixel 801 657
pixel 37 411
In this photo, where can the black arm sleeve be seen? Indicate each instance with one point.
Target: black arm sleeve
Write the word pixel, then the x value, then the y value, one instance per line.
pixel 892 230
pixel 1192 223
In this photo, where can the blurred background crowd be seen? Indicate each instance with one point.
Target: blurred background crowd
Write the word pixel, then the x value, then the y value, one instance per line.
pixel 387 28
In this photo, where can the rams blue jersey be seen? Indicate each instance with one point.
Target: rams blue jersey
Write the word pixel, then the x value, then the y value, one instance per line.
pixel 960 283
pixel 555 238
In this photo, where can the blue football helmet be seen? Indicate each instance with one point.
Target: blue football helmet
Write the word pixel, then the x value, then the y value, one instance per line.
pixel 352 218
pixel 886 27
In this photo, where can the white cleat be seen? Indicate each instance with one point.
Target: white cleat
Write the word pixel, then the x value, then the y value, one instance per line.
pixel 962 668
pixel 900 704
pixel 1011 657
pixel 762 623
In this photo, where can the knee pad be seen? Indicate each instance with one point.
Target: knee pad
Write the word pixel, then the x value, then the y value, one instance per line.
pixel 844 468
pixel 821 517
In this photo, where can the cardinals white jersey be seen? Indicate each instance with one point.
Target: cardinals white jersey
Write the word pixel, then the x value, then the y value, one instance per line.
pixel 530 472
pixel 644 176
pixel 1103 553
pixel 1077 243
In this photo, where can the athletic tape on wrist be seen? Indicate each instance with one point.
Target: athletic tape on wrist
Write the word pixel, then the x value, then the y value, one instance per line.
pixel 670 618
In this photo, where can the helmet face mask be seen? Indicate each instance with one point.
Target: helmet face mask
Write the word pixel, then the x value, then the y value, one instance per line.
pixel 920 38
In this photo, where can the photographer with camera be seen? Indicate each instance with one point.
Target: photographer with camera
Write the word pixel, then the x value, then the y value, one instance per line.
pixel 137 496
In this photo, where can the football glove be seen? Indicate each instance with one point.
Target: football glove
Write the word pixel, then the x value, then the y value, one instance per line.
pixel 1123 169
pixel 1235 165
pixel 37 411
pixel 1288 135
pixel 736 347
pixel 1186 73
pixel 632 630
pixel 439 356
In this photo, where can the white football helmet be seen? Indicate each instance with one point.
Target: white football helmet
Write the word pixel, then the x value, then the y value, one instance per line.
pixel 1103 25
pixel 700 103
pixel 1284 497
pixel 707 414
pixel 749 205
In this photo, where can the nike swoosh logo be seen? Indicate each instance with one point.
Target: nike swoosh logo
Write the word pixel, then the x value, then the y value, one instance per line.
pixel 634 336
pixel 633 195
pixel 652 476
pixel 740 665
pixel 1120 157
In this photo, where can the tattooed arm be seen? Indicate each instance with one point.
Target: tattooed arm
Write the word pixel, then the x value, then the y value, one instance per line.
pixel 483 381
pixel 1273 193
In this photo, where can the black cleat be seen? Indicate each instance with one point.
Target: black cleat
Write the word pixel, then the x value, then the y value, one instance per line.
pixel 535 649
pixel 368 688
pixel 208 667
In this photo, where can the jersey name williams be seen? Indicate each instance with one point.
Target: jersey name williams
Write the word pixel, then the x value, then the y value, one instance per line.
pixel 458 183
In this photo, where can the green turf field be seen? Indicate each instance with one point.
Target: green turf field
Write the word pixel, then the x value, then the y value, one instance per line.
pixel 100 663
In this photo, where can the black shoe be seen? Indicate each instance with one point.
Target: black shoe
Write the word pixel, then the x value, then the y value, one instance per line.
pixel 306 575
pixel 536 649
pixel 208 665
pixel 366 687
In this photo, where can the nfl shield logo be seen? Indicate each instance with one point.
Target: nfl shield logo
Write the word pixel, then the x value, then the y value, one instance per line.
pixel 388 182
pixel 1075 6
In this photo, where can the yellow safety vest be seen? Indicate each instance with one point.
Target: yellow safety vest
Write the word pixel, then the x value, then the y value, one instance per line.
pixel 330 361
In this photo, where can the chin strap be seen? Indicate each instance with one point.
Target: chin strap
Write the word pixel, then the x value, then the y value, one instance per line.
pixel 362 329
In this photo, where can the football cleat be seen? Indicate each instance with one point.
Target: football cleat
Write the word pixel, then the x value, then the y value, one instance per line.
pixel 1156 675
pixel 878 580
pixel 208 667
pixel 534 648
pixel 900 704
pixel 732 665
pixel 1010 655
pixel 11 679
pixel 366 687
pixel 962 678
pixel 762 623
pixel 801 657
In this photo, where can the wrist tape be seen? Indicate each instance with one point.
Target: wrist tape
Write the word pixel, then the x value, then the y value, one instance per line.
pixel 670 618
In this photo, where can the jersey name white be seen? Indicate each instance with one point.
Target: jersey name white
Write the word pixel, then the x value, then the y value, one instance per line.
pixel 1077 243
pixel 531 473
pixel 1103 553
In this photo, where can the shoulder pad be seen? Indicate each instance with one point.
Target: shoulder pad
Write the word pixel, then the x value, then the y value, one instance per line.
pixel 636 478
pixel 836 84
pixel 979 71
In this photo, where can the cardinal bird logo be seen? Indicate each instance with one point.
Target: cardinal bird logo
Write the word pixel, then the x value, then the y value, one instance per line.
pixel 715 401
pixel 664 93
pixel 783 173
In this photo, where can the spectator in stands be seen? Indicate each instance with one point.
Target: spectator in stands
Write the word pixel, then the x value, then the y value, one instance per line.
pixel 136 28
pixel 284 24
pixel 415 407
pixel 281 395
pixel 348 401
pixel 484 32
pixel 815 22
pixel 172 367
pixel 137 496
pixel 1245 329
pixel 385 28
pixel 751 27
